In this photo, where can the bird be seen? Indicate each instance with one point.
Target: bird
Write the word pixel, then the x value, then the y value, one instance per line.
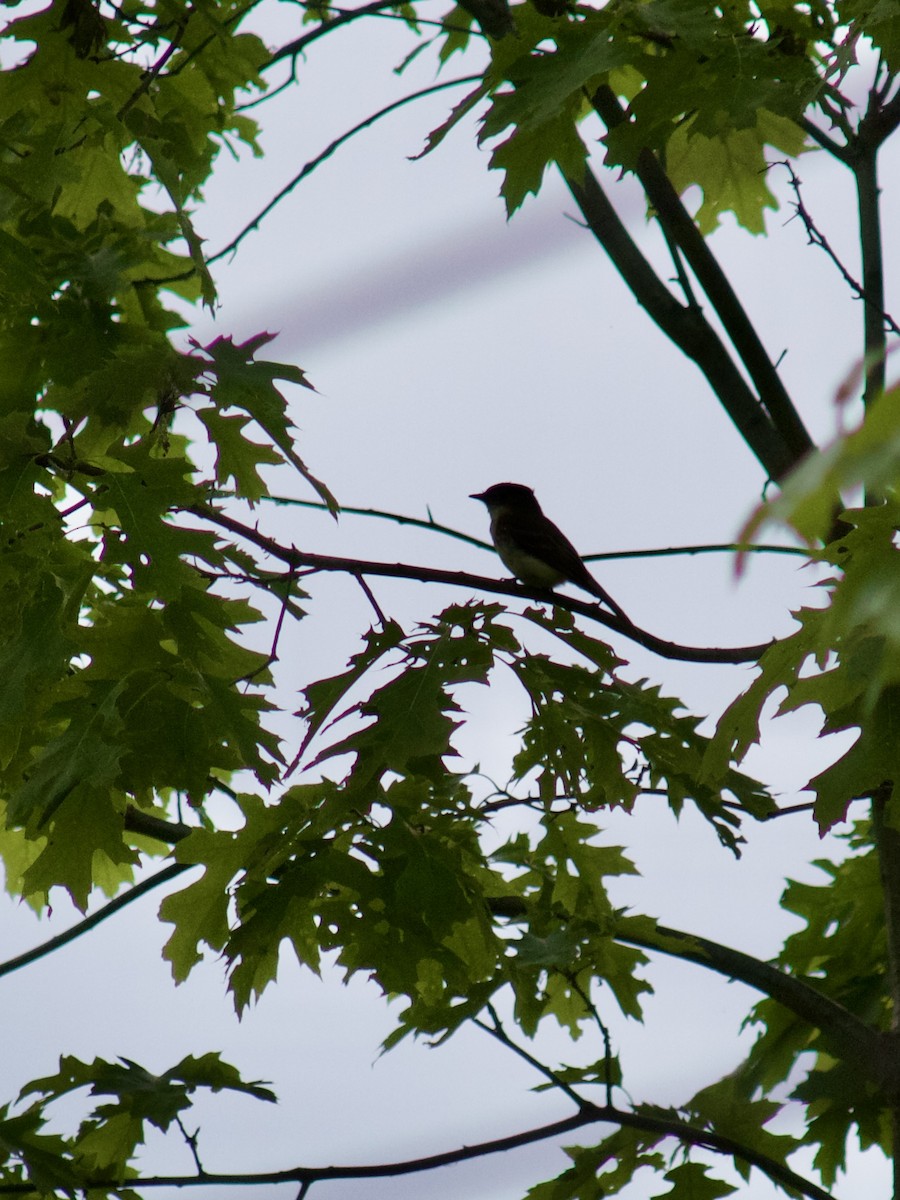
pixel 530 545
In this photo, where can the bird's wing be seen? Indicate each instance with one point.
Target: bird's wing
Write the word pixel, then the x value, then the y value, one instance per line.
pixel 544 541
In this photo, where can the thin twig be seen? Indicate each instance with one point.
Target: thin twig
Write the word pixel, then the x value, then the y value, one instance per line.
pixel 654 552
pixel 69 935
pixel 497 1031
pixel 191 1139
pixel 296 47
pixel 313 163
pixel 279 625
pixel 370 596
pixel 605 1035
pixel 817 238
pixel 345 15
pixel 681 275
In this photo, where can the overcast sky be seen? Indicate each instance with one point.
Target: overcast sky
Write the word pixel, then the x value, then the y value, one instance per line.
pixel 451 350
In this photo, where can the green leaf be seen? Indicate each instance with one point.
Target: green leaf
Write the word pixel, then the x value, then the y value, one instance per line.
pixel 200 912
pixel 692 1181
pixel 239 380
pixel 526 154
pixel 598 1172
pixel 108 1138
pixel 237 456
pixel 457 113
pixel 730 168
pixel 869 457
pixel 324 695
pixel 46 1158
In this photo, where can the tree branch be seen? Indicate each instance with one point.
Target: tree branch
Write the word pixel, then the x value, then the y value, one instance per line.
pixel 817 238
pixel 320 562
pixel 313 163
pixel 686 327
pixel 497 1031
pixel 138 821
pixel 108 910
pixel 345 16
pixel 819 135
pixel 588 1114
pixel 853 1040
pixel 857 1042
pixel 681 227
pixel 865 171
pixel 602 556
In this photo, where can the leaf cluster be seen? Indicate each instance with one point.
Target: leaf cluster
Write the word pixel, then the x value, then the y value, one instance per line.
pixel 106 1140
pixel 122 658
pixel 705 89
pixel 128 684
pixel 384 865
pixel 842 659
pixel 844 656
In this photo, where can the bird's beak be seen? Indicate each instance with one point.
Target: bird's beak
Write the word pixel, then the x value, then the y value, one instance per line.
pixel 477 496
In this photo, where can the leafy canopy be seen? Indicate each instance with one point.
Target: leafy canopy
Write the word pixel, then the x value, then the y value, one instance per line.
pixel 131 688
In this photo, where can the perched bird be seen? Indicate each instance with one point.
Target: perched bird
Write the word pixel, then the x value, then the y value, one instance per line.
pixel 530 545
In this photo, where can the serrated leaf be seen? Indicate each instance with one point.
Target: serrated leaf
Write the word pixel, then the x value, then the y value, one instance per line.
pixel 526 154
pixel 242 381
pixel 237 456
pixel 437 135
pixel 730 168
pixel 693 1181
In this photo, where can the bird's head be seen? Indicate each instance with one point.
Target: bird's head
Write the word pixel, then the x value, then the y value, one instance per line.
pixel 508 496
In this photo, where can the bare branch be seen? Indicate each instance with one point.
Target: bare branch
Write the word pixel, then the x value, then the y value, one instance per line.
pixel 589 1114
pixel 602 556
pixel 309 167
pixel 69 935
pixel 685 326
pixel 320 562
pixel 817 238
pixel 678 222
pixel 857 1042
pixel 345 16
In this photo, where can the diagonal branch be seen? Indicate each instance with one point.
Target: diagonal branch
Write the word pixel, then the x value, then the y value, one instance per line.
pixel 89 923
pixel 343 17
pixel 309 167
pixel 857 1041
pixel 835 149
pixel 680 226
pixel 853 1039
pixel 685 326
